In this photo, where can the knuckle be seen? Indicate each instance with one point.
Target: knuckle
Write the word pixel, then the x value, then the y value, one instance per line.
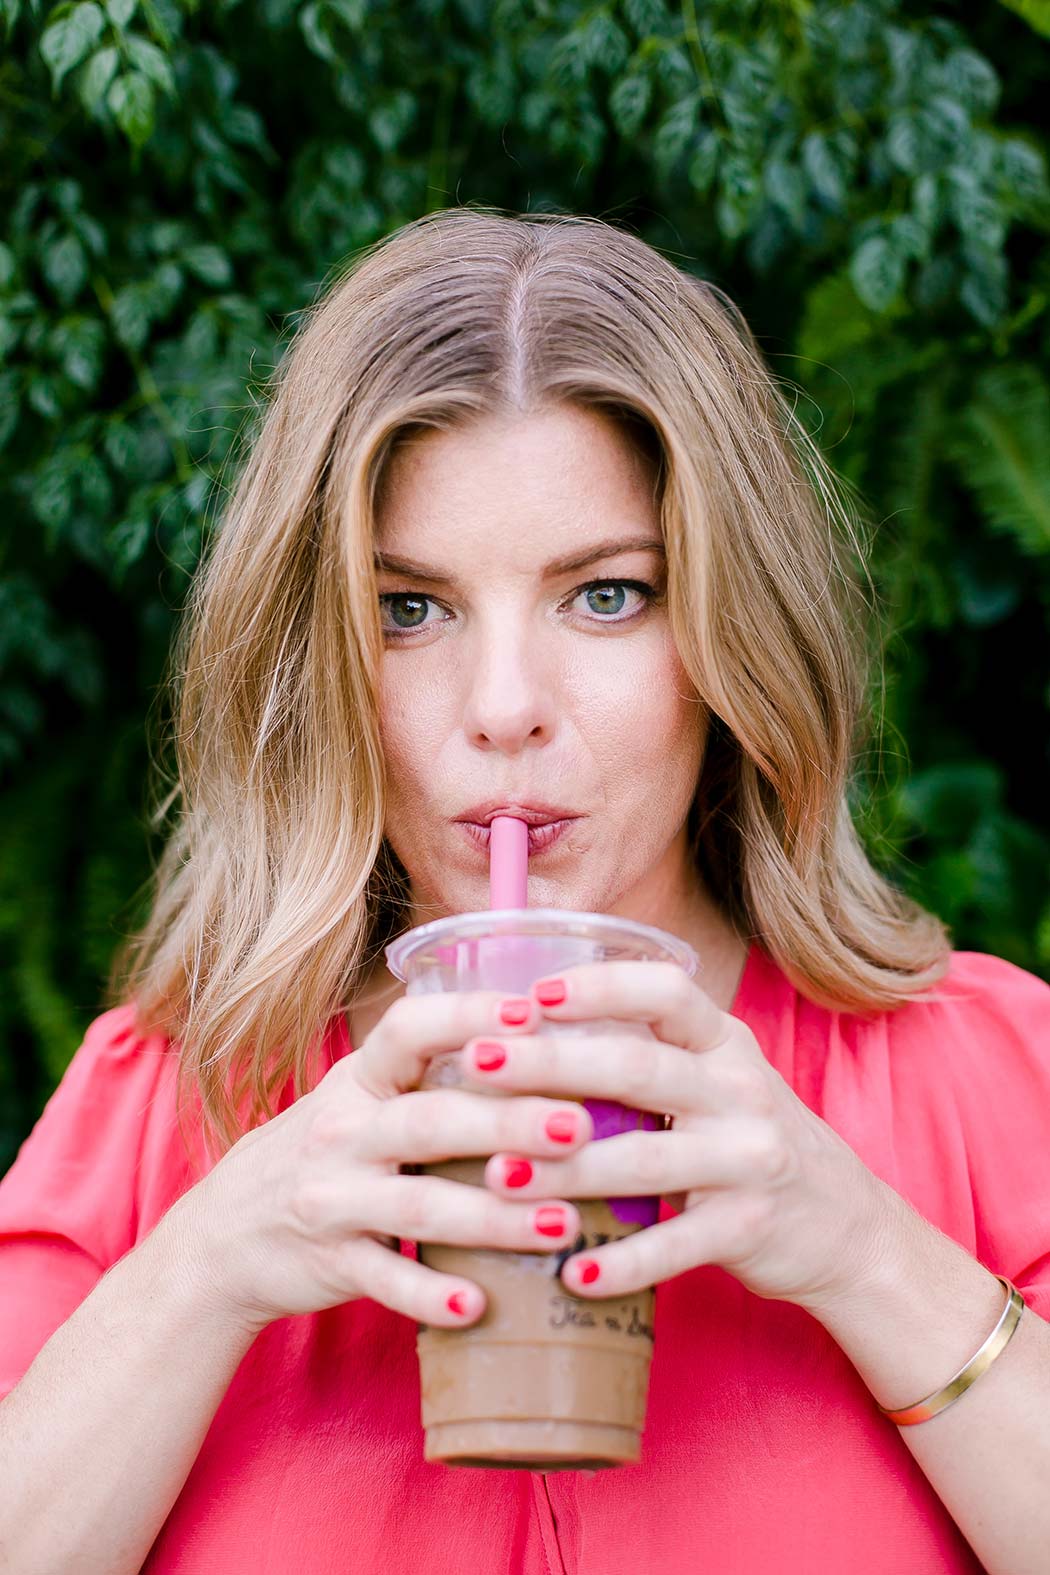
pixel 329 1128
pixel 416 1205
pixel 748 1086
pixel 413 1116
pixel 414 1020
pixel 768 1152
pixel 634 1074
pixel 310 1206
pixel 753 1216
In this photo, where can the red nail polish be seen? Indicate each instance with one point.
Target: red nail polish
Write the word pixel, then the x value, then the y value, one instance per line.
pixel 516 1172
pixel 549 1222
pixel 589 1271
pixel 550 992
pixel 457 1304
pixel 561 1127
pixel 488 1055
pixel 515 1011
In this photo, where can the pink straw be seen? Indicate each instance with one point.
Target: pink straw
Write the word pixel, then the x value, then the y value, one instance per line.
pixel 508 863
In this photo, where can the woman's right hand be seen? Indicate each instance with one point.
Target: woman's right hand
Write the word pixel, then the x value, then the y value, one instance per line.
pixel 304 1212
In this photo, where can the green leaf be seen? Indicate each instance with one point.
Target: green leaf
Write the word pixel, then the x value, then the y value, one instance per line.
pixel 130 316
pixel 648 17
pixel 605 43
pixel 131 102
pixel 390 120
pixel 125 544
pixel 675 130
pixel 209 263
pixel 97 75
pixel 9 406
pixel 151 61
pixel 65 267
pixel 975 210
pixel 787 188
pixel 1035 12
pixel 52 496
pixel 877 271
pixel 703 161
pixel 984 289
pixel 121 11
pixel 741 191
pixel 80 344
pixel 1022 167
pixel 1002 451
pixel 824 162
pixel 972 80
pixel 946 801
pixel 8 265
pixel 42 396
pixel 629 101
pixel 66 42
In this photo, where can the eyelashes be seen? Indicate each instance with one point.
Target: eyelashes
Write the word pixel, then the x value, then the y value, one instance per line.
pixel 646 591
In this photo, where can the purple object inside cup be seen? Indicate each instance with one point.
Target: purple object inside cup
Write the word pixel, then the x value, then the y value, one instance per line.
pixel 610 1119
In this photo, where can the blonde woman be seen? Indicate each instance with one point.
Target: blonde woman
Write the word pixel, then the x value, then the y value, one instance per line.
pixel 528 524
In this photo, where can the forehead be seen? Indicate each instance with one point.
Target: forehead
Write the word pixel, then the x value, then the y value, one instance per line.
pixel 567 478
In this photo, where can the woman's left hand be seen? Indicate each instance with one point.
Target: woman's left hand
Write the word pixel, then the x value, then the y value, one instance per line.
pixel 766 1189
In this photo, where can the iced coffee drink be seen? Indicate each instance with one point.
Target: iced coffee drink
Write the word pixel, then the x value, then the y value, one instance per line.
pixel 545 1380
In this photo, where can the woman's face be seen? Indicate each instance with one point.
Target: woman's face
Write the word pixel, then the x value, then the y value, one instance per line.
pixel 508 680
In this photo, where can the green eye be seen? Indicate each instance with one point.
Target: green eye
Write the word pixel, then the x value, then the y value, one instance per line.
pixel 603 590
pixel 614 589
pixel 413 607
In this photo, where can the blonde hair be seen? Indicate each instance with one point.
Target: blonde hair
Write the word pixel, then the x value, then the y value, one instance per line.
pixel 276 890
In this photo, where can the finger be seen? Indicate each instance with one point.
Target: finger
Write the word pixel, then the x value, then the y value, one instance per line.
pixel 408 1287
pixel 658 993
pixel 434 1209
pixel 703 1234
pixel 709 1153
pixel 427 1125
pixel 640 1073
pixel 395 1055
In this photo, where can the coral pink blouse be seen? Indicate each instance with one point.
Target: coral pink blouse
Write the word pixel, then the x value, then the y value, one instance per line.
pixel 762 1448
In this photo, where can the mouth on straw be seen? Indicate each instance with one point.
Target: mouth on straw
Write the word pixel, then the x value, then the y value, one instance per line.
pixel 508 863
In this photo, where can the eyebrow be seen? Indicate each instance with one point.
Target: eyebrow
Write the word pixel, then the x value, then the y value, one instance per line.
pixel 431 575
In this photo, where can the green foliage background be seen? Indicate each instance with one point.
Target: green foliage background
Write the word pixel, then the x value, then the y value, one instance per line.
pixel 178 180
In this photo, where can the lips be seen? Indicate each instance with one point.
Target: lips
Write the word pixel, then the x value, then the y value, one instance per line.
pixel 531 814
pixel 540 837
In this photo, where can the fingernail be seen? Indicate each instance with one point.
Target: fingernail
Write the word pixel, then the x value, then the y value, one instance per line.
pixel 488 1055
pixel 516 1172
pixel 561 1127
pixel 457 1303
pixel 550 1221
pixel 515 1011
pixel 550 992
pixel 588 1270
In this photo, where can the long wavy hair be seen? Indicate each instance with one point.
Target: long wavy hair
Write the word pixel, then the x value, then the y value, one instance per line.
pixel 276 890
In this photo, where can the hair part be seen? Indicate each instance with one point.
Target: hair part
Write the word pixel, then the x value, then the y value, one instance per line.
pixel 276 891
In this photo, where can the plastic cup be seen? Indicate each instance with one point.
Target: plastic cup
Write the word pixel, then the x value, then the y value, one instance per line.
pixel 545 1380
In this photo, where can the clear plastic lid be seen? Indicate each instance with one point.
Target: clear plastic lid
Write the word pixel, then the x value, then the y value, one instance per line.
pixel 610 938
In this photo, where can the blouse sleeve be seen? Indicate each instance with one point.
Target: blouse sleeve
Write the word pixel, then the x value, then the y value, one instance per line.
pixel 71 1204
pixel 998 1039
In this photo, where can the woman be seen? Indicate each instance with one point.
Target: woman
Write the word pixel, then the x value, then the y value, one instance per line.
pixel 529 523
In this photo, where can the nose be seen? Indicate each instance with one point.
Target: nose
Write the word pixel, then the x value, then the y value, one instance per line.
pixel 510 686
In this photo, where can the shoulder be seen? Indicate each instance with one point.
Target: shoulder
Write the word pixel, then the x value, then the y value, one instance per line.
pixel 984 1003
pixel 114 1055
pixel 104 1150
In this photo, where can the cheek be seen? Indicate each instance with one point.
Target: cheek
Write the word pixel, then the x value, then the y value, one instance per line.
pixel 405 695
pixel 645 709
